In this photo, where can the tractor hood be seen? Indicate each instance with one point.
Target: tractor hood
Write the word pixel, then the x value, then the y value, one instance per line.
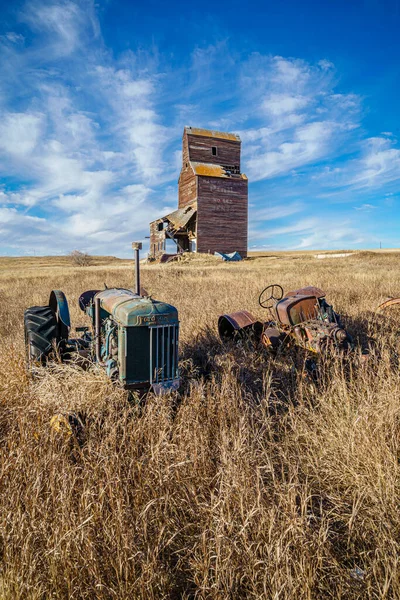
pixel 129 309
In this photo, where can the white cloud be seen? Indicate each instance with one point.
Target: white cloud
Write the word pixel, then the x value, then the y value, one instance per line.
pixel 134 119
pixel 309 144
pixel 304 120
pixel 19 133
pixel 275 211
pixel 125 213
pixel 365 207
pixel 13 38
pixel 65 24
pixel 91 143
pixel 290 72
pixel 326 64
pixel 377 165
pixel 301 226
pixel 309 233
pixel 380 164
pixel 9 215
pixel 279 104
pixel 88 171
pixel 326 237
pixel 35 231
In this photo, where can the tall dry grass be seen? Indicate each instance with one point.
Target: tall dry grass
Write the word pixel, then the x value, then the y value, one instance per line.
pixel 249 483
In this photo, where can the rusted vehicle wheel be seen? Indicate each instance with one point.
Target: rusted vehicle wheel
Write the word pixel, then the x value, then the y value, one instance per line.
pixel 40 333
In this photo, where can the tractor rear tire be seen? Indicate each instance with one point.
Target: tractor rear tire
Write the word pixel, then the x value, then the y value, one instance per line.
pixel 41 332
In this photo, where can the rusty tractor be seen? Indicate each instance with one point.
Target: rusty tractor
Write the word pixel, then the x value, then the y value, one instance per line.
pixel 131 336
pixel 301 317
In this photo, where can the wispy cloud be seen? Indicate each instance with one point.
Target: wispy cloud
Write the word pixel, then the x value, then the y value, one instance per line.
pixel 309 233
pixel 85 155
pixel 275 211
pixel 365 207
pixel 379 164
pixel 301 118
pixel 90 141
pixel 62 26
pixel 376 166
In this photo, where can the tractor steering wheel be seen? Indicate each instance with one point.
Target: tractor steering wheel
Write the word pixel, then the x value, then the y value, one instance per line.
pixel 271 294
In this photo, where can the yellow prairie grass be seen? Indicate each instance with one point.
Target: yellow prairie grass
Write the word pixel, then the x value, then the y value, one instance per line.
pixel 248 483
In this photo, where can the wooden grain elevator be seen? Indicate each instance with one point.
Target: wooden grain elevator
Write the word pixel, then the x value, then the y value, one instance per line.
pixel 213 198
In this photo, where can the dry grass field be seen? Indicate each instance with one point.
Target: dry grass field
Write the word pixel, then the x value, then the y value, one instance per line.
pixel 248 483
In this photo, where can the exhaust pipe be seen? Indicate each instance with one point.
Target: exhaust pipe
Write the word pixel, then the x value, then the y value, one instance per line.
pixel 97 331
pixel 136 247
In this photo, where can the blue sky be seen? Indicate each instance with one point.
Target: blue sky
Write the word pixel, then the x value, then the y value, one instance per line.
pixel 94 98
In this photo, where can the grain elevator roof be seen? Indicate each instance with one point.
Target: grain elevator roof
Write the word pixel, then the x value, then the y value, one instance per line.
pixel 233 137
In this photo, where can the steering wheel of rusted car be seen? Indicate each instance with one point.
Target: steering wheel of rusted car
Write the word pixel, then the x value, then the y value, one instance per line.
pixel 270 295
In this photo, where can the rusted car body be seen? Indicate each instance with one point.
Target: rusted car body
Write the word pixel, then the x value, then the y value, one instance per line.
pixel 302 317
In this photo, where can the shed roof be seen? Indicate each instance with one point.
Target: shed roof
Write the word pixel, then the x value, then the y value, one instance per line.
pixel 210 170
pixel 212 133
pixel 180 217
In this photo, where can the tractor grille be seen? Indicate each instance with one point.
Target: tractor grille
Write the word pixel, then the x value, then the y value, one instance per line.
pixel 163 352
pixel 151 354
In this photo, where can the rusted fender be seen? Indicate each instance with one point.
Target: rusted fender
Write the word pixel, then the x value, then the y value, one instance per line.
pixel 231 324
pixel 58 303
pixel 387 303
pixel 310 290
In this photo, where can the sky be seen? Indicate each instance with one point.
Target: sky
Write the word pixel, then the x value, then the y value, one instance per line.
pixel 94 98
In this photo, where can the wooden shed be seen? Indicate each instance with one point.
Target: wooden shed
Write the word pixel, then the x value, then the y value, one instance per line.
pixel 213 197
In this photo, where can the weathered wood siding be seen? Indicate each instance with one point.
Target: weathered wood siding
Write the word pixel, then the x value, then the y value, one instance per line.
pixel 222 206
pixel 157 240
pixel 187 186
pixel 222 202
pixel 185 150
pixel 199 149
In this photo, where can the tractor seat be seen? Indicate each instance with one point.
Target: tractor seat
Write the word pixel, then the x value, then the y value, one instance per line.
pixel 86 298
pixel 296 309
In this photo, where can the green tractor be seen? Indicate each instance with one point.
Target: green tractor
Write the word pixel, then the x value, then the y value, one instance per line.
pixel 133 337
